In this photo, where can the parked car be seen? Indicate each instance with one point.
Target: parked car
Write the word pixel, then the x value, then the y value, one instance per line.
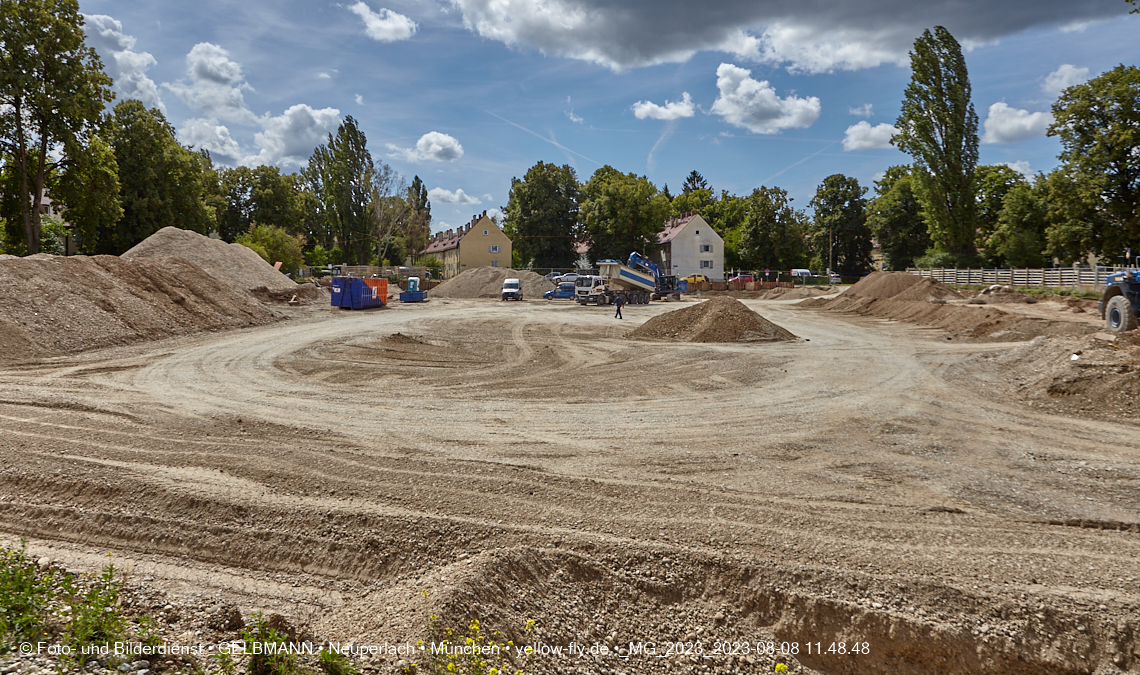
pixel 564 291
pixel 742 277
pixel 695 278
pixel 834 279
pixel 569 277
pixel 512 289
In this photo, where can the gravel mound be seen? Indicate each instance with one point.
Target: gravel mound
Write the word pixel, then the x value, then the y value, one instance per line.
pixel 882 285
pixel 233 263
pixel 487 282
pixel 928 290
pixel 721 319
pixel 55 305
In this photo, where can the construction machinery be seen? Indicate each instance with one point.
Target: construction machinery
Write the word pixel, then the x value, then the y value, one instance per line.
pixel 1120 304
pixel 638 281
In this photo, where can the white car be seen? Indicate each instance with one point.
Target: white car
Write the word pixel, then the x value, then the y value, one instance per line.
pixel 569 277
pixel 512 289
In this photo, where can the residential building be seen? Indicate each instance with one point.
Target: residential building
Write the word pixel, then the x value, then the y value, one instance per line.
pixel 689 245
pixel 479 243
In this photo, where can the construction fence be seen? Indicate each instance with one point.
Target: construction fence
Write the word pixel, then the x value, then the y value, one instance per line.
pixel 1089 278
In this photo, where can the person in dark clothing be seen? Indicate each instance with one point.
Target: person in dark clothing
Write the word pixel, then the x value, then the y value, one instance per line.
pixel 618 302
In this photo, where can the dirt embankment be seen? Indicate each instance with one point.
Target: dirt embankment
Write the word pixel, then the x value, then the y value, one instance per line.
pixel 720 319
pixel 235 263
pixel 55 305
pixel 906 297
pixel 487 282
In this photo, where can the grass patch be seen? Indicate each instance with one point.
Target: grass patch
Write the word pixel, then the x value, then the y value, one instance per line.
pixel 25 596
pixel 473 653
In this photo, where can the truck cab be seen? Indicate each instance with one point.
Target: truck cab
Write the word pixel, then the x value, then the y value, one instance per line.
pixel 590 288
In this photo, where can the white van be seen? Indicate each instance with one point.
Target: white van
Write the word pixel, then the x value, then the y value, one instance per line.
pixel 801 273
pixel 512 289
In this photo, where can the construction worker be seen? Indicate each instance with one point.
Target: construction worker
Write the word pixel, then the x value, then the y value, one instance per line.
pixel 618 302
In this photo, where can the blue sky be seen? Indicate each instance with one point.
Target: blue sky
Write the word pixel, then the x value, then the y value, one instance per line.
pixel 470 93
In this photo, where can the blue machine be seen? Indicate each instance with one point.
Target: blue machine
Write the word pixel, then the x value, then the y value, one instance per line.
pixel 1120 304
pixel 665 283
pixel 413 294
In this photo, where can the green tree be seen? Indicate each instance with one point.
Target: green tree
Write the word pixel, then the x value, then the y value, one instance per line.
pixel 341 174
pixel 52 93
pixel 88 193
pixel 416 230
pixel 991 184
pixel 1019 238
pixel 938 127
pixel 693 182
pixel 895 219
pixel 542 216
pixel 1077 219
pixel 773 235
pixel 840 236
pixel 260 195
pixel 622 213
pixel 160 181
pixel 275 245
pixel 1098 123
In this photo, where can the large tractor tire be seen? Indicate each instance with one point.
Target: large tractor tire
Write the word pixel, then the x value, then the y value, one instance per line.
pixel 1118 316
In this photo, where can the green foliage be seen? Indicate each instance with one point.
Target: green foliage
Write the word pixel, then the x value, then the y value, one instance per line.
pixel 332 663
pixel 895 219
pixel 773 234
pixel 318 256
pixel 622 213
pixel 934 259
pixel 542 216
pixel 725 215
pixel 341 173
pixel 94 617
pixel 694 182
pixel 53 236
pixel 271 660
pixel 938 127
pixel 416 228
pixel 88 192
pixel 160 181
pixel 261 195
pixel 991 184
pixel 1098 123
pixel 434 264
pixel 24 597
pixel 1077 220
pixel 52 93
pixel 839 232
pixel 1019 238
pixel 274 244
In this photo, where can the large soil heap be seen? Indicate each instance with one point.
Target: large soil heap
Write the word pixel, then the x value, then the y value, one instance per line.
pixel 721 319
pixel 487 282
pixel 235 263
pixel 53 305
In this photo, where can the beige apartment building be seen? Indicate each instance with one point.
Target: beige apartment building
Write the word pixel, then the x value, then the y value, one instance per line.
pixel 479 243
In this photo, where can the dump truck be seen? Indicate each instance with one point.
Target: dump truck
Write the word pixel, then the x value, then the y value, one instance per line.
pixel 638 281
pixel 1120 304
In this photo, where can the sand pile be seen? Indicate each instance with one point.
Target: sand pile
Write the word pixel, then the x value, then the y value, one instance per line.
pixel 928 290
pixel 233 263
pixel 882 285
pixel 487 282
pixel 721 319
pixel 54 305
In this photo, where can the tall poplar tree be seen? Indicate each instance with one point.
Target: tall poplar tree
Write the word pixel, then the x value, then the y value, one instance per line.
pixel 938 127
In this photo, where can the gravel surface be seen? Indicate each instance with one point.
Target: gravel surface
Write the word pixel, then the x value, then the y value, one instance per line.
pixel 720 319
pixel 870 483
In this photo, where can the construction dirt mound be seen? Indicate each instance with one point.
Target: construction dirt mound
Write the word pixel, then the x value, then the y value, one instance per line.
pixel 232 263
pixel 487 282
pixel 882 285
pixel 55 305
pixel 721 319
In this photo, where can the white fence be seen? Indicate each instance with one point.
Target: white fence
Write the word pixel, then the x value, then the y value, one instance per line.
pixel 1059 277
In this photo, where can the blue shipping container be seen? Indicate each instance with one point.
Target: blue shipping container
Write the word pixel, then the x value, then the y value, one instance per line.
pixel 353 293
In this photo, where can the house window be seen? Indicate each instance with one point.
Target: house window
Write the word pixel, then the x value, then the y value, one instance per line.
pixel 698 231
pixel 706 264
pixel 706 248
pixel 493 248
pixel 495 263
pixel 486 232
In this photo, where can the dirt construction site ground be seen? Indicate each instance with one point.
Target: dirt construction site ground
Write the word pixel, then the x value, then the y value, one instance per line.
pixel 871 484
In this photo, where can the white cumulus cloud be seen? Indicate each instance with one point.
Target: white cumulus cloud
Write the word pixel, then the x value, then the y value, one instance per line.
pixel 754 105
pixel 215 85
pixel 672 110
pixel 1009 125
pixel 862 111
pixel 449 197
pixel 208 134
pixel 863 136
pixel 1063 78
pixel 433 146
pixel 385 25
pixel 289 138
pixel 127 67
pixel 1022 167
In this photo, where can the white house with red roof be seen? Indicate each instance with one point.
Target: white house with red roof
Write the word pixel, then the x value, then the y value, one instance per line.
pixel 689 245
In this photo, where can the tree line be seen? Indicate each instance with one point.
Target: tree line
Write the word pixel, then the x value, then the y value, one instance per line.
pixel 940 210
pixel 118 175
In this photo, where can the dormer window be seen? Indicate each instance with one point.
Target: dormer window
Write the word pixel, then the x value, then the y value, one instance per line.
pixel 486 232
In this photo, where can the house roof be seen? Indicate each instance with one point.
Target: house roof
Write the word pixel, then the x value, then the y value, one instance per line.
pixel 675 226
pixel 445 241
